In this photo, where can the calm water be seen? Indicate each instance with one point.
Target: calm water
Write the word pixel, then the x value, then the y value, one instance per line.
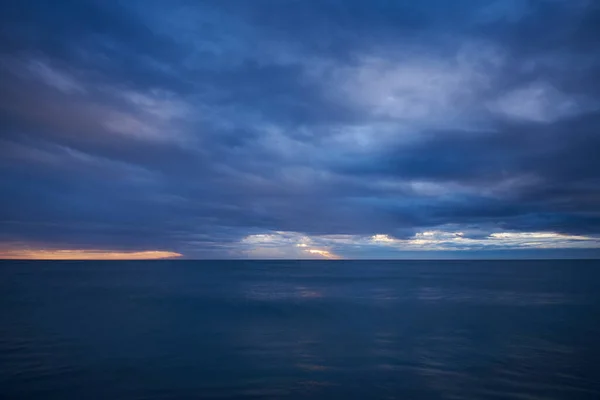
pixel 291 330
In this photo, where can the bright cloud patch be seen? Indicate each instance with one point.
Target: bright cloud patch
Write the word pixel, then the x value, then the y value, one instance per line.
pixel 421 89
pixel 442 240
pixel 539 102
pixel 285 245
pixel 296 245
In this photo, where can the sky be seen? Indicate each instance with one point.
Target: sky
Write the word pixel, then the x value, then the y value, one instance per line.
pixel 322 129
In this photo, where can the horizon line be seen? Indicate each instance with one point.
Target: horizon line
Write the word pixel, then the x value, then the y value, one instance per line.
pixel 304 259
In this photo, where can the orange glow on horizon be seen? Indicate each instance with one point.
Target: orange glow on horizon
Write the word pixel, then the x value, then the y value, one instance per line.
pixel 85 255
pixel 324 253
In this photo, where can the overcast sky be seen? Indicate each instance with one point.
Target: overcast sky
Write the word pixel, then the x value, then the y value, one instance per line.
pixel 301 129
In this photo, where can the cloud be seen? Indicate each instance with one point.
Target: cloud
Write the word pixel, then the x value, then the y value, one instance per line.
pixel 458 241
pixel 293 245
pixel 418 87
pixel 289 245
pixel 54 78
pixel 540 102
pixel 350 129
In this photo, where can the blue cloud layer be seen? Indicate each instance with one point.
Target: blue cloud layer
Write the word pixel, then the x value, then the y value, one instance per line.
pixel 193 127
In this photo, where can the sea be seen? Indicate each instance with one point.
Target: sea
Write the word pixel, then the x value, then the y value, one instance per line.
pixel 175 329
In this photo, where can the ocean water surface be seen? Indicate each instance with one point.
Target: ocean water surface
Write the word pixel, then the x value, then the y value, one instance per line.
pixel 300 329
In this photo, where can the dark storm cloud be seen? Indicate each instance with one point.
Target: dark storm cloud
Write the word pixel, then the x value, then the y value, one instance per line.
pixel 198 127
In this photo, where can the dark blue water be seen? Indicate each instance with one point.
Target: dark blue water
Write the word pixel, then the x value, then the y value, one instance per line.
pixel 292 330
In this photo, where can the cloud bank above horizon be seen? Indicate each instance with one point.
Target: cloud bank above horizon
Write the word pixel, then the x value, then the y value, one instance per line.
pixel 300 129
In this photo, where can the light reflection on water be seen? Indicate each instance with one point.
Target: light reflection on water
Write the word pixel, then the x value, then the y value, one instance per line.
pixel 340 330
pixel 432 294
